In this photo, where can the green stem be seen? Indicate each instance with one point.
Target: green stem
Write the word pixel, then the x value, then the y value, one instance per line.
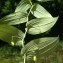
pixel 26 33
pixel 26 29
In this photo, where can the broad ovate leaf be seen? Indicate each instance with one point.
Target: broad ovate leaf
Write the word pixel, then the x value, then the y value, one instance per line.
pixel 23 6
pixel 40 46
pixel 41 25
pixel 14 18
pixel 10 33
pixel 39 11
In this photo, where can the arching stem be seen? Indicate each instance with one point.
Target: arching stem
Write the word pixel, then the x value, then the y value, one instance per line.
pixel 26 29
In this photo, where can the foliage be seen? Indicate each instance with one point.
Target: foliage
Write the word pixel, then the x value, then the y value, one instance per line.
pixel 42 22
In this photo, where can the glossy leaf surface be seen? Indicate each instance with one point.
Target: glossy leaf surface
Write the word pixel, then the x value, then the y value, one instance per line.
pixel 23 6
pixel 13 19
pixel 40 47
pixel 6 33
pixel 41 25
pixel 44 0
pixel 40 12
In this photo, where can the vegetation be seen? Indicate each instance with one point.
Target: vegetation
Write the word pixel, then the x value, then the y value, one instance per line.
pixel 28 31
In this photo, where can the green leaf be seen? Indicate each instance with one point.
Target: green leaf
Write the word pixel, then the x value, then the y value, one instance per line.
pixel 14 18
pixel 41 25
pixel 40 12
pixel 40 47
pixel 7 32
pixel 44 0
pixel 23 6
